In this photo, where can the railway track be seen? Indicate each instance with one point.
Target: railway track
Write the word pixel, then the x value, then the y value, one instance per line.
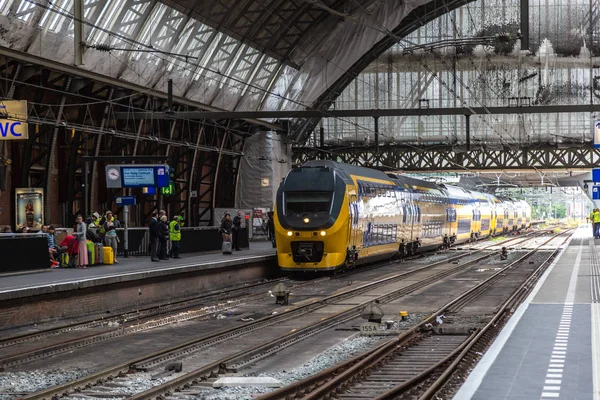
pixel 128 323
pixel 401 367
pixel 252 353
pixel 254 350
pixel 76 335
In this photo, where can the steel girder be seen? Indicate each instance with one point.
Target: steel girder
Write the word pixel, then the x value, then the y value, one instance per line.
pixel 448 158
pixel 86 107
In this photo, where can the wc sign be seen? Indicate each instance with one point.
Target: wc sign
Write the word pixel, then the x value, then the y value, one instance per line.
pixel 13 120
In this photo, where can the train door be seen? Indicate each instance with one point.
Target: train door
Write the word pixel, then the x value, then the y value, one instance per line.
pixel 353 231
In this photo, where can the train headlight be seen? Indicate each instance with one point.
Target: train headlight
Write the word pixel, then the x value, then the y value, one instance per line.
pixel 323 233
pixel 290 233
pixel 306 220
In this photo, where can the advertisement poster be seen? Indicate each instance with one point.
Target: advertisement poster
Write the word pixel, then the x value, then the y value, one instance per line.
pixel 29 208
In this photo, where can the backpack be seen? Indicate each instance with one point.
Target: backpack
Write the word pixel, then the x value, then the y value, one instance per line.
pixel 92 236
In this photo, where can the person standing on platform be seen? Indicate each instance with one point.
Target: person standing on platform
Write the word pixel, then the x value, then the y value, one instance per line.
pixel 175 236
pixel 271 228
pixel 82 261
pixel 163 238
pixel 154 228
pixel 226 227
pixel 236 229
pixel 110 236
pixel 596 220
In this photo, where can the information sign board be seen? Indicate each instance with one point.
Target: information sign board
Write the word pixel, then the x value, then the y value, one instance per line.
pixel 596 174
pixel 137 176
pixel 596 193
pixel 126 201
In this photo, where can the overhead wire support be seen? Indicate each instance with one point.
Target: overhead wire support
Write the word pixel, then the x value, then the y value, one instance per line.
pixel 108 48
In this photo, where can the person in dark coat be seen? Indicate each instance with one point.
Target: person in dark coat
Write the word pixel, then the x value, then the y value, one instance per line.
pixel 236 229
pixel 271 228
pixel 155 230
pixel 163 238
pixel 226 228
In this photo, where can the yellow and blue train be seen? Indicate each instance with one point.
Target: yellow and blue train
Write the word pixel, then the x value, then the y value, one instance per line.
pixel 332 216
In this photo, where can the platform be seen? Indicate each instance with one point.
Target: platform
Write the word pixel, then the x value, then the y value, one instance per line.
pixel 130 269
pixel 550 348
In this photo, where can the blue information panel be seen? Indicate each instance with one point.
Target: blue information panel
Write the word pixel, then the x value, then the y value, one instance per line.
pixel 137 176
pixel 596 174
pixel 126 201
pixel 596 193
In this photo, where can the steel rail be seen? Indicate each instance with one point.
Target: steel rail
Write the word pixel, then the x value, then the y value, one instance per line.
pixel 263 350
pixel 458 354
pixel 183 348
pixel 346 372
pixel 159 356
pixel 507 308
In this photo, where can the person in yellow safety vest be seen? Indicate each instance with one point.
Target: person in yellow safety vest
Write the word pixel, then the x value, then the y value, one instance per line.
pixel 596 223
pixel 591 219
pixel 102 230
pixel 175 236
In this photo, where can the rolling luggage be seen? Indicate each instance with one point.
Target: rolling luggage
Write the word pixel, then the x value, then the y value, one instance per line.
pixel 109 257
pixel 91 253
pixel 226 247
pixel 100 253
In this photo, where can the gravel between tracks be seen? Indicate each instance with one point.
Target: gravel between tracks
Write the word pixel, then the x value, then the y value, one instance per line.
pixel 32 381
pixel 349 348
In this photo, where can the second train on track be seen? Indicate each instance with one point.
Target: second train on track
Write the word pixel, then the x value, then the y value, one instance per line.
pixel 331 216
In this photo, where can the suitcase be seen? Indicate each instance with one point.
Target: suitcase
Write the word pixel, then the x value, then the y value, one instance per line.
pixel 91 253
pixel 109 257
pixel 226 247
pixel 100 253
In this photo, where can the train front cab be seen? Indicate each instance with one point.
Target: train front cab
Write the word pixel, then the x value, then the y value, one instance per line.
pixel 311 220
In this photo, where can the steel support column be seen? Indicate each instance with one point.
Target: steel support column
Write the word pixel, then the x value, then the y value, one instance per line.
pixel 524 24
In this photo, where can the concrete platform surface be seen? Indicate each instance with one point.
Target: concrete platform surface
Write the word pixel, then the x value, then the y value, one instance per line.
pixel 52 280
pixel 550 348
pixel 232 381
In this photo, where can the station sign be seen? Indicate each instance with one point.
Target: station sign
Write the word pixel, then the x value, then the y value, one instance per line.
pixel 596 175
pixel 13 120
pixel 126 201
pixel 596 193
pixel 138 176
pixel 169 190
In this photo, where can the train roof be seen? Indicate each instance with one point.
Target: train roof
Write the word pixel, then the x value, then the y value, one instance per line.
pixel 345 170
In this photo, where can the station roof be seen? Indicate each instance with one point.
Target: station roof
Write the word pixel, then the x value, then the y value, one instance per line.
pixel 222 54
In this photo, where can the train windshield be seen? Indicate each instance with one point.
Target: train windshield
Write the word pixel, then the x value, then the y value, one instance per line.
pixel 307 202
